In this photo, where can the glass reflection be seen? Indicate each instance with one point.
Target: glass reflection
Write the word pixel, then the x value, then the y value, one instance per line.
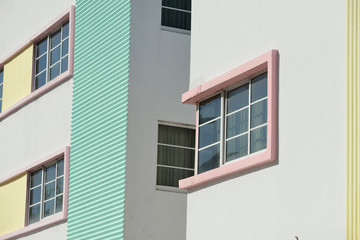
pixel 209 158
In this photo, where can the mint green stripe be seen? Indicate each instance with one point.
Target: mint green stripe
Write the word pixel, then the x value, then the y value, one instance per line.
pixel 99 120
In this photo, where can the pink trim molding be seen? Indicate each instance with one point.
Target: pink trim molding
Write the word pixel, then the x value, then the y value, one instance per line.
pixel 68 14
pixel 51 220
pixel 265 62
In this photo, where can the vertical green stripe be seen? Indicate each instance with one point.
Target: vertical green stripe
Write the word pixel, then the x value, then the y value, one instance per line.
pixel 99 120
pixel 353 120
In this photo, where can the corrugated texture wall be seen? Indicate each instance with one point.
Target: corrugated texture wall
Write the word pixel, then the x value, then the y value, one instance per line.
pixel 353 120
pixel 99 120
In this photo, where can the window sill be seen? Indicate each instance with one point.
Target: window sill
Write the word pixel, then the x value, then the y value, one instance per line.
pixel 36 94
pixel 175 30
pixel 170 189
pixel 46 222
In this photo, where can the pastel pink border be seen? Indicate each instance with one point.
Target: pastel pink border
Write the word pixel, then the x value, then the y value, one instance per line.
pixel 265 62
pixel 68 14
pixel 51 220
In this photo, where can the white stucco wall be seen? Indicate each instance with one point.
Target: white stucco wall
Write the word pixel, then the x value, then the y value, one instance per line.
pixel 43 126
pixel 159 74
pixel 304 194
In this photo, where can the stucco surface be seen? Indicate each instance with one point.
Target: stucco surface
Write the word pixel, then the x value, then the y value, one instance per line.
pixel 304 193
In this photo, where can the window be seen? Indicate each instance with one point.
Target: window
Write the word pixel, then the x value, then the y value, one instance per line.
pixel 51 56
pixel 175 154
pixel 176 14
pixel 1 88
pixel 46 191
pixel 233 124
pixel 237 125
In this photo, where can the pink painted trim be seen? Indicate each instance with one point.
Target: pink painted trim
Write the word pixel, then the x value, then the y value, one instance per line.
pixel 68 14
pixel 266 62
pixel 47 222
pixel 42 33
pixel 51 220
pixel 36 94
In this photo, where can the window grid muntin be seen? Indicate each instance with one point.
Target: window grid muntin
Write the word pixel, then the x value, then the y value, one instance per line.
pixel 175 146
pixel 42 185
pixel 167 24
pixel 223 121
pixel 48 52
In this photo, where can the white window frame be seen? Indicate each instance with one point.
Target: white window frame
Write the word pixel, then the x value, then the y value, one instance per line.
pixel 223 123
pixel 48 52
pixel 180 125
pixel 43 184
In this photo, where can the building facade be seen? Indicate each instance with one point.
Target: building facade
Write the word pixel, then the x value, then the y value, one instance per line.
pixel 113 127
pixel 80 119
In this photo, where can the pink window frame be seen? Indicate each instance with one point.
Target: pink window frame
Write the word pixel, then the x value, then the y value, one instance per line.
pixel 50 220
pixel 69 14
pixel 266 62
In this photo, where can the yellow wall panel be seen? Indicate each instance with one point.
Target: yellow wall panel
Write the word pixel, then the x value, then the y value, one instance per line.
pixel 17 78
pixel 353 120
pixel 12 204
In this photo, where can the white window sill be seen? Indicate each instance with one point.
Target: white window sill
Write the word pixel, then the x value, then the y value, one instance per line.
pixel 170 189
pixel 176 30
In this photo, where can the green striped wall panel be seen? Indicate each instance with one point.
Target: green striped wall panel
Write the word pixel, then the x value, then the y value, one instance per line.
pixel 99 120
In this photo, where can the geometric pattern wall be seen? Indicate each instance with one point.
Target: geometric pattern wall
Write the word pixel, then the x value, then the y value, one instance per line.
pixel 99 120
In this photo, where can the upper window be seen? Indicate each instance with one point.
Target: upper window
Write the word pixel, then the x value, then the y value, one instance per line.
pixel 175 154
pixel 52 56
pixel 236 120
pixel 46 191
pixel 1 88
pixel 176 14
pixel 233 124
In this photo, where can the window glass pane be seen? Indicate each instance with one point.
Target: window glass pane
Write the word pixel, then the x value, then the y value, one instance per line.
pixel 176 19
pixel 237 123
pixel 1 90
pixel 41 47
pixel 65 32
pixel 209 109
pixel 49 190
pixel 237 147
pixel 209 158
pixel 176 136
pixel 259 87
pixel 0 105
pixel 35 178
pixel 40 80
pixel 55 39
pixel 55 71
pixel 173 156
pixel 209 133
pixel 171 176
pixel 238 98
pixel 258 113
pixel 60 168
pixel 35 195
pixel 49 208
pixel 258 139
pixel 59 203
pixel 59 185
pixel 181 4
pixel 1 77
pixel 41 63
pixel 55 55
pixel 64 64
pixel 34 214
pixel 50 173
pixel 65 47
